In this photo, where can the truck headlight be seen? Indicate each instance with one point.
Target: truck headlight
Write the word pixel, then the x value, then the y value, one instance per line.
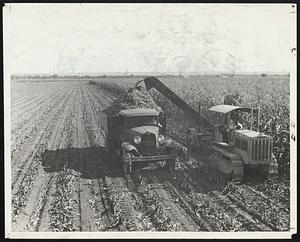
pixel 160 138
pixel 137 139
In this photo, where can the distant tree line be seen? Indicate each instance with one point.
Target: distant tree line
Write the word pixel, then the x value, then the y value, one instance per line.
pixel 55 76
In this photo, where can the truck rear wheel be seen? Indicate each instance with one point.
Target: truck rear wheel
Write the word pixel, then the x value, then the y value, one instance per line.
pixel 127 167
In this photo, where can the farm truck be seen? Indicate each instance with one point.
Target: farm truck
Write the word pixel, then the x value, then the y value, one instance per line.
pixel 137 136
pixel 232 151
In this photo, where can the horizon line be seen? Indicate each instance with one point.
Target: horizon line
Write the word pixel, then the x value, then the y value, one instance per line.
pixel 154 73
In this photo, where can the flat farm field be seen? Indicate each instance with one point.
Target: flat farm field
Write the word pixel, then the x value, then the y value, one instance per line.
pixel 63 180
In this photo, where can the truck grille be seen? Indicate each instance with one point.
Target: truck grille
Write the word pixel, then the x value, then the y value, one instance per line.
pixel 148 144
pixel 261 149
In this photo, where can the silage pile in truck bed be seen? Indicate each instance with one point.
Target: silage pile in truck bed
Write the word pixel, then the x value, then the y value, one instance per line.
pixel 137 97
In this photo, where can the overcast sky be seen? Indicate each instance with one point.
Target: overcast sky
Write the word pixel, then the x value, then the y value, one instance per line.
pixel 148 38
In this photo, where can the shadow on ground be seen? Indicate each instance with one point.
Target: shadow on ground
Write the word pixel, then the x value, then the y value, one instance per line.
pixel 91 162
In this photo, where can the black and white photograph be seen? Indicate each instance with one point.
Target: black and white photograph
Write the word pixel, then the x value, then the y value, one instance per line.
pixel 150 120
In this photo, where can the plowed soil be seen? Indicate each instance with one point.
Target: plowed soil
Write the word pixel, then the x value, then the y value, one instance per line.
pixel 63 180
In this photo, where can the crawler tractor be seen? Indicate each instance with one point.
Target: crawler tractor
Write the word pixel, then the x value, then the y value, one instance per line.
pixel 232 151
pixel 137 136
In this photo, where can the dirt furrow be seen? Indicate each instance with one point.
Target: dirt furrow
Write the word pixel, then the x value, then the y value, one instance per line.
pixel 102 96
pixel 63 179
pixel 56 208
pixel 182 199
pixel 19 99
pixel 47 179
pixel 126 210
pixel 273 218
pixel 83 161
pixel 169 213
pixel 248 223
pixel 93 166
pixel 26 147
pixel 26 134
pixel 26 160
pixel 27 114
pixel 27 109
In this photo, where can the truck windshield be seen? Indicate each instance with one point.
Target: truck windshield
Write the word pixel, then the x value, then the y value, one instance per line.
pixel 130 122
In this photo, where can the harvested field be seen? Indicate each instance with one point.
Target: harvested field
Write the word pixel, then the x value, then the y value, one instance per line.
pixel 63 180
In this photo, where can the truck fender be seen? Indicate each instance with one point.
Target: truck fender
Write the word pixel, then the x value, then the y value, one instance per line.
pixel 127 147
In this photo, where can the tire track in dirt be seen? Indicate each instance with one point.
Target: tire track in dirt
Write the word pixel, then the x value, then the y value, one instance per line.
pixel 199 180
pixel 127 216
pixel 99 202
pixel 197 177
pixel 162 193
pixel 83 184
pixel 181 197
pixel 170 215
pixel 127 210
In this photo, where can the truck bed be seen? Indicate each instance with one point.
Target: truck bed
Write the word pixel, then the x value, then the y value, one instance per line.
pixel 109 123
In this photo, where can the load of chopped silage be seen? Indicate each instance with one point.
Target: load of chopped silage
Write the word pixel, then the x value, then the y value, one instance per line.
pixel 137 97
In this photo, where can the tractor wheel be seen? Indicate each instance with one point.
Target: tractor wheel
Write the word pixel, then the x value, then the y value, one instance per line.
pixel 127 167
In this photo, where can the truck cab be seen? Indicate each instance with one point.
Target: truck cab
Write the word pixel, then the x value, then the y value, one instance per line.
pixel 142 129
pixel 138 138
